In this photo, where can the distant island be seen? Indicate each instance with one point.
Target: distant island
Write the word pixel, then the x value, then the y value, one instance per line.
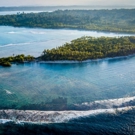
pixel 84 48
pixel 70 7
pixel 115 20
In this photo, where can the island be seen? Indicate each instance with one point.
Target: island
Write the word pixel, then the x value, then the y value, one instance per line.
pixel 115 20
pixel 84 48
pixel 7 61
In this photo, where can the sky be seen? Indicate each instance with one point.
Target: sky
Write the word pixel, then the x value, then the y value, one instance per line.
pixel 64 2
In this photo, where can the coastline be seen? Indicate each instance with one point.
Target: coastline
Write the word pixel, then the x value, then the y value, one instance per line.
pixel 84 61
pixel 70 28
pixel 72 61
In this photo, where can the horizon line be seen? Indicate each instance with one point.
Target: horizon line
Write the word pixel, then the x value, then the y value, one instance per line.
pixel 66 5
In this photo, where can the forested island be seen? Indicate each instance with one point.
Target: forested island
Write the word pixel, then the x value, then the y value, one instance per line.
pixel 84 48
pixel 115 20
pixel 7 61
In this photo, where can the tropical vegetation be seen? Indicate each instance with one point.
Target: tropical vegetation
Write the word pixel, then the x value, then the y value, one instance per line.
pixel 81 49
pixel 7 61
pixel 116 20
pixel 91 48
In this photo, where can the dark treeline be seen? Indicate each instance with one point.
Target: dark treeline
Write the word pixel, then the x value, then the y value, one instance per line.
pixel 117 20
pixel 91 48
pixel 16 59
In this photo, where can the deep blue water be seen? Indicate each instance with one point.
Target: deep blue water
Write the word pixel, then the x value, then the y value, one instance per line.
pixel 103 124
pixel 74 83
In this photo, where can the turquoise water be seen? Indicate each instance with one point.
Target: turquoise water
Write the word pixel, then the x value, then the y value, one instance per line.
pixel 67 86
pixel 33 83
pixel 36 83
pixel 34 41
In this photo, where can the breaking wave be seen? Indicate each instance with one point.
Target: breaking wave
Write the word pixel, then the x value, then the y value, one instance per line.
pixel 107 104
pixel 112 106
pixel 52 116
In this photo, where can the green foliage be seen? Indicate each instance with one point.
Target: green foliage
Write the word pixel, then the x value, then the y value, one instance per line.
pixel 6 62
pixel 118 20
pixel 91 48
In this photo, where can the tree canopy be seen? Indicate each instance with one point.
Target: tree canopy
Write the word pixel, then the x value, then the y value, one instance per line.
pixel 116 20
pixel 91 48
pixel 6 61
pixel 80 49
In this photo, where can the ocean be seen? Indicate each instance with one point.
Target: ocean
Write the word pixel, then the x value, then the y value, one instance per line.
pixel 91 97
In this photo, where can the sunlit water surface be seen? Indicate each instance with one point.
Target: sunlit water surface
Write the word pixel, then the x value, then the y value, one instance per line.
pixel 33 40
pixel 67 86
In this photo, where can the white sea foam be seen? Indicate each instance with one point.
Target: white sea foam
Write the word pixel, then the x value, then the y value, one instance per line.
pixel 12 32
pixel 8 92
pixel 20 116
pixel 53 116
pixel 38 32
pixel 7 45
pixel 3 121
pixel 106 104
pixel 25 43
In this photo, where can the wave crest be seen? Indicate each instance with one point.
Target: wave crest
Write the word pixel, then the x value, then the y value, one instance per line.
pixel 98 107
pixel 106 104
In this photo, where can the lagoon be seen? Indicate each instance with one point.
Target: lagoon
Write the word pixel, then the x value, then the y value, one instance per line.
pixel 33 41
pixel 45 82
pixel 92 85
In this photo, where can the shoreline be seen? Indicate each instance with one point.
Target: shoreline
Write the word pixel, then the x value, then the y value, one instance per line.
pixel 69 28
pixel 73 61
pixel 84 61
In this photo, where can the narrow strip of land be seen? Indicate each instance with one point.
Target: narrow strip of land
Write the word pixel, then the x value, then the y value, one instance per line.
pixel 116 20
